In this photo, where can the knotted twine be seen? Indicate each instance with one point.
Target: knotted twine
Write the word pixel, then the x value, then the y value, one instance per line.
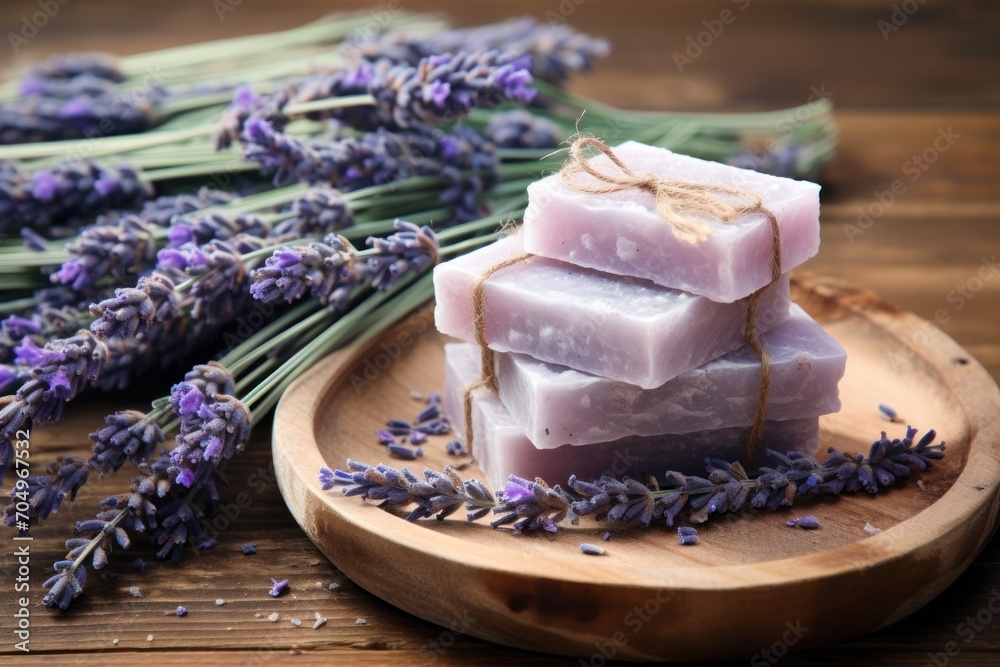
pixel 683 205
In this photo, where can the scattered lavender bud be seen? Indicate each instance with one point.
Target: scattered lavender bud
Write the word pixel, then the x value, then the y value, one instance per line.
pixel 273 617
pixel 294 621
pixel 278 587
pixel 606 536
pixel 887 412
pixel 207 544
pixel 871 530
pixel 139 565
pixel 320 621
pixel 434 398
pixel 384 437
pixel 405 453
pixel 135 592
pixel 455 448
pixel 808 522
pixel 418 438
pixel 687 535
pixel 398 427
pixel 333 586
pixel 591 549
pixel 249 548
pixel 219 602
pixel 181 611
pixel 361 621
pixel 432 411
pixel 436 427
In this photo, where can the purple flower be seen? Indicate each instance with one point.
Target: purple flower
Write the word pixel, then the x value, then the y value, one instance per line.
pixel 411 249
pixel 327 270
pixel 318 212
pixel 520 128
pixel 44 187
pixel 278 587
pixel 126 435
pixel 446 86
pixel 687 536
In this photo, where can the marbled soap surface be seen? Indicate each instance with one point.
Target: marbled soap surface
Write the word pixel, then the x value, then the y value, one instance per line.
pixel 621 234
pixel 623 328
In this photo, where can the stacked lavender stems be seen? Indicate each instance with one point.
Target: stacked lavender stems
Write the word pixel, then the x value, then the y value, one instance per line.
pixel 229 213
pixel 618 347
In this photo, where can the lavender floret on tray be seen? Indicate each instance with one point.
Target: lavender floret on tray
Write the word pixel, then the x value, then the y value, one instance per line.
pixel 727 488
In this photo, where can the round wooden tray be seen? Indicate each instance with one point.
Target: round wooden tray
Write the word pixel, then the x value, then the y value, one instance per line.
pixel 751 585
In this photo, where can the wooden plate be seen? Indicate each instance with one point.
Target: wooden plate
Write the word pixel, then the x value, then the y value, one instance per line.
pixel 751 585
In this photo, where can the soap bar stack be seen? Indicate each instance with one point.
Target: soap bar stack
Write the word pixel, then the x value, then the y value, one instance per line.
pixel 619 348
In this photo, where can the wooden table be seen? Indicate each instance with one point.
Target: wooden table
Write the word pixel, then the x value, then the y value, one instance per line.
pixel 896 92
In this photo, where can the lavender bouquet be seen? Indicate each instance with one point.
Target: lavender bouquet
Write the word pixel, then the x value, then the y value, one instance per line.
pixel 307 180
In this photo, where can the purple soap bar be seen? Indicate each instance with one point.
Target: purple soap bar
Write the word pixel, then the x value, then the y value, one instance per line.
pixel 502 449
pixel 555 405
pixel 621 233
pixel 618 327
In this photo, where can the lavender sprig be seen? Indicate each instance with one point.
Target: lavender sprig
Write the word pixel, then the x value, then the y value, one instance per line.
pixel 533 505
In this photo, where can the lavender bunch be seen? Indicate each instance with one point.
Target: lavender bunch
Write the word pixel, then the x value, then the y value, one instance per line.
pixel 57 110
pixel 71 65
pixel 533 505
pixel 316 213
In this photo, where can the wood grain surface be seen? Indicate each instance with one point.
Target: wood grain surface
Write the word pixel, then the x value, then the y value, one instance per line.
pixel 924 253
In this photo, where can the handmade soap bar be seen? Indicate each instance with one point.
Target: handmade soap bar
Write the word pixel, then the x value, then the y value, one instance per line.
pixel 619 327
pixel 555 405
pixel 621 233
pixel 501 448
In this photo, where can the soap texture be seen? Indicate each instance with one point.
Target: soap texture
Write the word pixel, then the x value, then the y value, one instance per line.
pixel 621 233
pixel 501 447
pixel 555 405
pixel 618 327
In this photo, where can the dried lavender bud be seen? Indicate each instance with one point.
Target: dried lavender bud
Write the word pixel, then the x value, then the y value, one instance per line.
pixel 411 249
pixel 133 309
pixel 45 493
pixel 531 506
pixel 446 86
pixel 401 452
pixel 248 548
pixel 59 372
pixel 592 549
pixel 318 212
pixel 520 128
pixel 398 427
pixel 123 249
pixel 887 412
pixel 135 592
pixel 327 270
pixel 808 522
pixel 220 226
pixel 687 536
pixel 384 437
pixel 418 438
pixel 606 536
pixel 437 427
pixel 126 435
pixel 64 586
pixel 278 587
pixel 455 448
pixel 180 611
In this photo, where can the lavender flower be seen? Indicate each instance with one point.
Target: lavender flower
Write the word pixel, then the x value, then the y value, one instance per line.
pixel 67 191
pixel 219 292
pixel 327 270
pixel 104 250
pixel 133 309
pixel 783 160
pixel 59 372
pixel 411 249
pixel 687 536
pixel 534 505
pixel 278 587
pixel 446 86
pixel 128 435
pixel 318 212
pixel 212 429
pixel 45 493
pixel 216 226
pixel 520 128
